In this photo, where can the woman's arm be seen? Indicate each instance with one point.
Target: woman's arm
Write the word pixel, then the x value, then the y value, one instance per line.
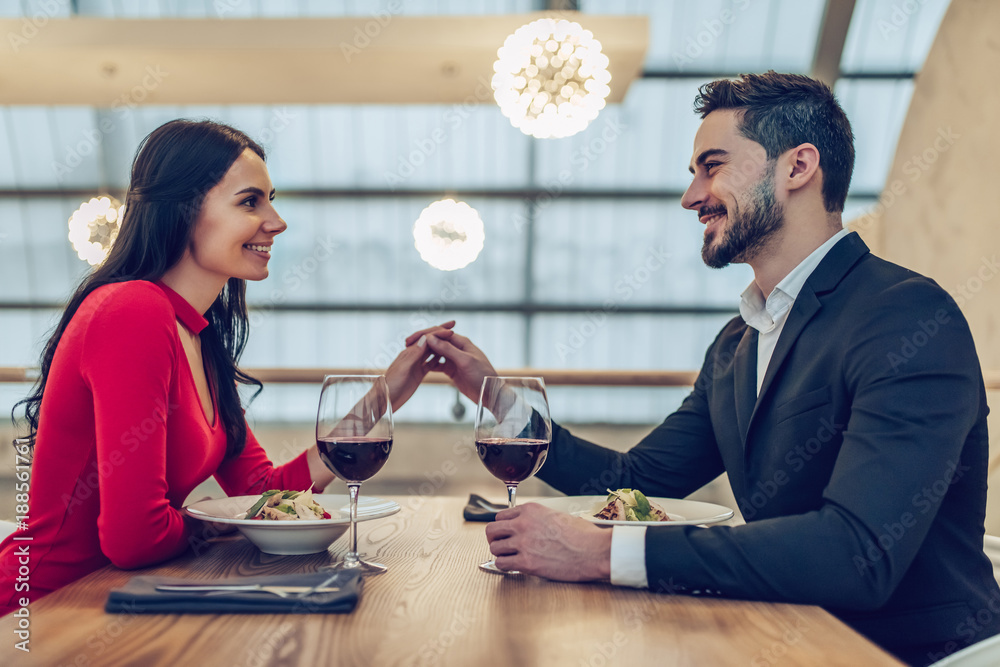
pixel 252 472
pixel 128 357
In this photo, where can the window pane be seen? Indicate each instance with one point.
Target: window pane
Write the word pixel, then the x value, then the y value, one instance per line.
pixel 876 110
pixel 724 35
pixel 628 252
pixel 891 36
pixel 360 251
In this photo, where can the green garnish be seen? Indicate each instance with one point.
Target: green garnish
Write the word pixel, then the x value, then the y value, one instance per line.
pixel 260 503
pixel 636 504
pixel 641 503
pixel 295 504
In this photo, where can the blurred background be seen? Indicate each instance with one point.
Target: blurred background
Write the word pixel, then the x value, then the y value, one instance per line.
pixel 589 262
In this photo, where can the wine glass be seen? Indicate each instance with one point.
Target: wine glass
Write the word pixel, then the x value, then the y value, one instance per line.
pixel 354 437
pixel 513 432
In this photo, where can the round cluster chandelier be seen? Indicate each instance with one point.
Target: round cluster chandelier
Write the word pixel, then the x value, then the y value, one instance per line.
pixel 551 78
pixel 94 227
pixel 449 234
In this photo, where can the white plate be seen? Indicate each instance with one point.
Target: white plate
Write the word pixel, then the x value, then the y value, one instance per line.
pixel 226 510
pixel 292 538
pixel 682 512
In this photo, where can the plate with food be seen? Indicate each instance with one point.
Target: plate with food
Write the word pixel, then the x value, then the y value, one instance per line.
pixel 630 507
pixel 288 522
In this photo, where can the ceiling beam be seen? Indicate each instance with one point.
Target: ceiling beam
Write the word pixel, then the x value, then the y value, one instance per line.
pixel 380 59
pixel 710 75
pixel 830 44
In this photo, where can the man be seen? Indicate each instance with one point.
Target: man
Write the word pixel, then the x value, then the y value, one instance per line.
pixel 846 403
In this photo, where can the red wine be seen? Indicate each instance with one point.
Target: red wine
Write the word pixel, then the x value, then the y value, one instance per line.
pixel 354 459
pixel 512 460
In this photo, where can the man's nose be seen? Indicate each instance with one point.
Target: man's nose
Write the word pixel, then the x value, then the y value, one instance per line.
pixel 694 196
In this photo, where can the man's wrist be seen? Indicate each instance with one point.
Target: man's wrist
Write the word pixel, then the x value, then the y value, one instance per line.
pixel 604 551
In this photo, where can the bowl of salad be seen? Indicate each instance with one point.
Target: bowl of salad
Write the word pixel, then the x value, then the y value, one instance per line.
pixel 290 523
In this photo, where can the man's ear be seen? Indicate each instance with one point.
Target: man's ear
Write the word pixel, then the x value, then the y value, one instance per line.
pixel 800 166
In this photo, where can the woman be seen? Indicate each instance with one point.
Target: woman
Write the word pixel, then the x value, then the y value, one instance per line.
pixel 137 402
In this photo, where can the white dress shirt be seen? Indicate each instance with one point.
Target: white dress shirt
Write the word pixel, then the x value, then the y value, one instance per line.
pixel 767 316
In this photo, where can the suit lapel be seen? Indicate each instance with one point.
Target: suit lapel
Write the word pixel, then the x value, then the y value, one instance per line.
pixel 745 379
pixel 837 263
pixel 805 307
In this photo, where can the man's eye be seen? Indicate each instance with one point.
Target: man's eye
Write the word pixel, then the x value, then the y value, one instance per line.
pixel 711 165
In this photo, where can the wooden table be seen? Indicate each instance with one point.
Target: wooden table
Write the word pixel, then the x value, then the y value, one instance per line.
pixel 433 607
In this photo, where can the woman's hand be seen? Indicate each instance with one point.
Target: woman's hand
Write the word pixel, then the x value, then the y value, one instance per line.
pixel 464 363
pixel 407 370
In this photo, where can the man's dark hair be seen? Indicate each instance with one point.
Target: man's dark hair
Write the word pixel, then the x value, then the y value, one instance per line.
pixel 781 111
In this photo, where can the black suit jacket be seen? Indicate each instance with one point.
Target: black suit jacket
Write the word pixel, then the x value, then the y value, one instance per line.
pixel 860 468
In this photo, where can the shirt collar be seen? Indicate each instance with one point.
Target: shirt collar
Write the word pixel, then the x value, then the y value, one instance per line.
pixel 184 311
pixel 764 314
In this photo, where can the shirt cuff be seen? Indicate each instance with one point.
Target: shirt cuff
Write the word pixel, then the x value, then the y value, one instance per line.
pixel 628 556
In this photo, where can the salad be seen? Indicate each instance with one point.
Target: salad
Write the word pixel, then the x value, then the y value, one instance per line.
pixel 276 505
pixel 630 505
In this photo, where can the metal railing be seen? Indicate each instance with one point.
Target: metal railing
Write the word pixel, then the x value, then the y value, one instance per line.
pixel 571 378
pixel 553 377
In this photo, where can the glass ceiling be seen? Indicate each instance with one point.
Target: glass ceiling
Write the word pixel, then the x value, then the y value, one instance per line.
pixel 346 282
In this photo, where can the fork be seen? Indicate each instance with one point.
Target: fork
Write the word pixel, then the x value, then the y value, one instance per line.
pixel 280 591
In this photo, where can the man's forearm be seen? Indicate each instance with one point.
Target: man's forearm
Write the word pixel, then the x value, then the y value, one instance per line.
pixel 578 467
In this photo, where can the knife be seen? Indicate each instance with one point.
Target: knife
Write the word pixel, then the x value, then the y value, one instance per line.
pixel 299 591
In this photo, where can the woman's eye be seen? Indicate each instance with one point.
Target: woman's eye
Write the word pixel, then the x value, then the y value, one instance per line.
pixel 250 201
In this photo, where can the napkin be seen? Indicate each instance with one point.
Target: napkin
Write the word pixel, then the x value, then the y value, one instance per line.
pixel 480 509
pixel 139 596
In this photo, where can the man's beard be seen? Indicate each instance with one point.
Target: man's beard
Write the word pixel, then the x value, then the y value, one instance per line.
pixel 747 232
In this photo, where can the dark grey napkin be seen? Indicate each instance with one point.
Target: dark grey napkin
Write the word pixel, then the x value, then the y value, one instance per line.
pixel 139 596
pixel 480 509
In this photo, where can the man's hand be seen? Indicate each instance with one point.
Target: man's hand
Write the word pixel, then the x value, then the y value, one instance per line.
pixel 408 369
pixel 464 363
pixel 537 540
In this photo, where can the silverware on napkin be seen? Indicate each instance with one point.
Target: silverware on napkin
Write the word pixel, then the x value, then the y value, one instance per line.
pixel 280 591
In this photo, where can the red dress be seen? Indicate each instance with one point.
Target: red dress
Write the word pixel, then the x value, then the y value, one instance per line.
pixel 122 441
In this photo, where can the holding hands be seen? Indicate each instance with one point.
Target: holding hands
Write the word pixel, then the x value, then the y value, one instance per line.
pixel 408 369
pixel 463 362
pixel 532 539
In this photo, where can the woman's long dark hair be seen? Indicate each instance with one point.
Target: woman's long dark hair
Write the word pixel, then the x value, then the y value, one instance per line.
pixel 174 168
